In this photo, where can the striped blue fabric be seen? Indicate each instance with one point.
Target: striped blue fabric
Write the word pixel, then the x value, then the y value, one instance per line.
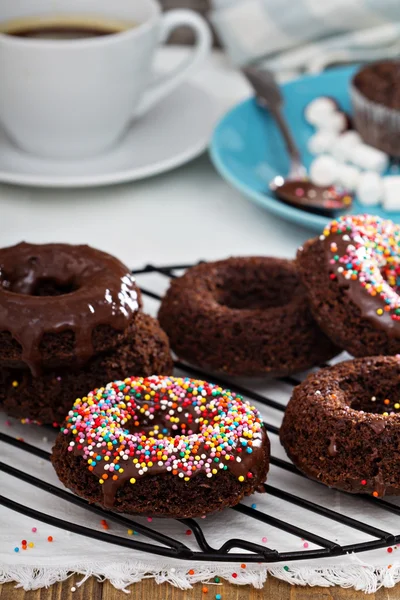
pixel 293 35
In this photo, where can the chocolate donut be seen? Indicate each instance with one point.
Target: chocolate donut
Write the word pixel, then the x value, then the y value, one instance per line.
pixel 162 446
pixel 352 277
pixel 48 398
pixel 243 316
pixel 342 426
pixel 61 305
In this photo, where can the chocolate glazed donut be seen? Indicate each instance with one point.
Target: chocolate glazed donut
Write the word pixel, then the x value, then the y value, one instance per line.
pixel 244 316
pixel 352 277
pixel 61 304
pixel 342 426
pixel 162 446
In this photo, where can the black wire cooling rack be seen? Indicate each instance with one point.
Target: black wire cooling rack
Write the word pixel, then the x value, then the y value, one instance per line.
pixel 235 549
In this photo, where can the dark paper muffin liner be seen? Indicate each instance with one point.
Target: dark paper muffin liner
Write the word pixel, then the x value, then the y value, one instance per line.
pixel 378 125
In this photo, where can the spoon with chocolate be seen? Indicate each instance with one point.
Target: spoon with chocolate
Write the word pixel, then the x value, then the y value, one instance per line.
pixel 295 189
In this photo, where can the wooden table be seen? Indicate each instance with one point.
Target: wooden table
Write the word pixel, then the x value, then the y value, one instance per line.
pixel 149 590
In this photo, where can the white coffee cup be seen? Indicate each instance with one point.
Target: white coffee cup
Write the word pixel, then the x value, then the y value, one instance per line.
pixel 76 98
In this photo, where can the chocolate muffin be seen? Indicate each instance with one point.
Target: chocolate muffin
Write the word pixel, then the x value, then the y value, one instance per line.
pixel 342 426
pixel 375 94
pixel 178 448
pixel 48 398
pixel 244 316
pixel 352 277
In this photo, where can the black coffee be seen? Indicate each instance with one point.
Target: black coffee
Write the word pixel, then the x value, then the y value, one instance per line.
pixel 63 28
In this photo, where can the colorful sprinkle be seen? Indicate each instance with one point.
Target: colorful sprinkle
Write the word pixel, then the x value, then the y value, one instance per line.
pixel 216 579
pixel 369 254
pixel 204 589
pixel 34 529
pixel 50 538
pixel 104 524
pixel 16 549
pixel 205 428
pixel 218 596
pixel 264 540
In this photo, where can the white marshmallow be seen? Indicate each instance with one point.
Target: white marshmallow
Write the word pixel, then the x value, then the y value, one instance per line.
pixel 318 110
pixel 370 190
pixel 344 145
pixel 323 170
pixel 335 122
pixel 348 177
pixel 391 193
pixel 370 159
pixel 321 142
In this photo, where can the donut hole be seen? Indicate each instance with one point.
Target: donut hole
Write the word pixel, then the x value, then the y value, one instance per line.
pixel 165 429
pixel 39 287
pixel 51 287
pixel 371 393
pixel 256 290
pixel 142 424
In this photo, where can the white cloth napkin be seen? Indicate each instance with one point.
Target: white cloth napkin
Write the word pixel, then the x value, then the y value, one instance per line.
pixel 292 35
pixel 47 562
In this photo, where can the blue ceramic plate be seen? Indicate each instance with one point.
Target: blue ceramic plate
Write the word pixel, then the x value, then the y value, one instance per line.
pixel 248 150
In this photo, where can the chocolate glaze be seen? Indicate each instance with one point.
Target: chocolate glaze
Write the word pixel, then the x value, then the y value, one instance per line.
pixel 367 303
pixel 103 293
pixel 250 462
pixel 254 462
pixel 332 448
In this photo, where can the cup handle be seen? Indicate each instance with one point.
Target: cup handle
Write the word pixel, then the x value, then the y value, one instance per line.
pixel 164 84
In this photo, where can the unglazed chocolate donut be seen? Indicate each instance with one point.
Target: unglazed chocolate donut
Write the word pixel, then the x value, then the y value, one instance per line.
pixel 244 316
pixel 352 277
pixel 61 304
pixel 342 426
pixel 162 446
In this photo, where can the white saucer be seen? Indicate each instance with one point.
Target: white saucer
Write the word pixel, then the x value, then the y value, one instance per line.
pixel 174 132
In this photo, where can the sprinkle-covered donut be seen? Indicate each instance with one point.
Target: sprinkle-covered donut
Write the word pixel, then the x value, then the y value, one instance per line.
pixel 243 316
pixel 61 305
pixel 352 276
pixel 162 446
pixel 342 426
